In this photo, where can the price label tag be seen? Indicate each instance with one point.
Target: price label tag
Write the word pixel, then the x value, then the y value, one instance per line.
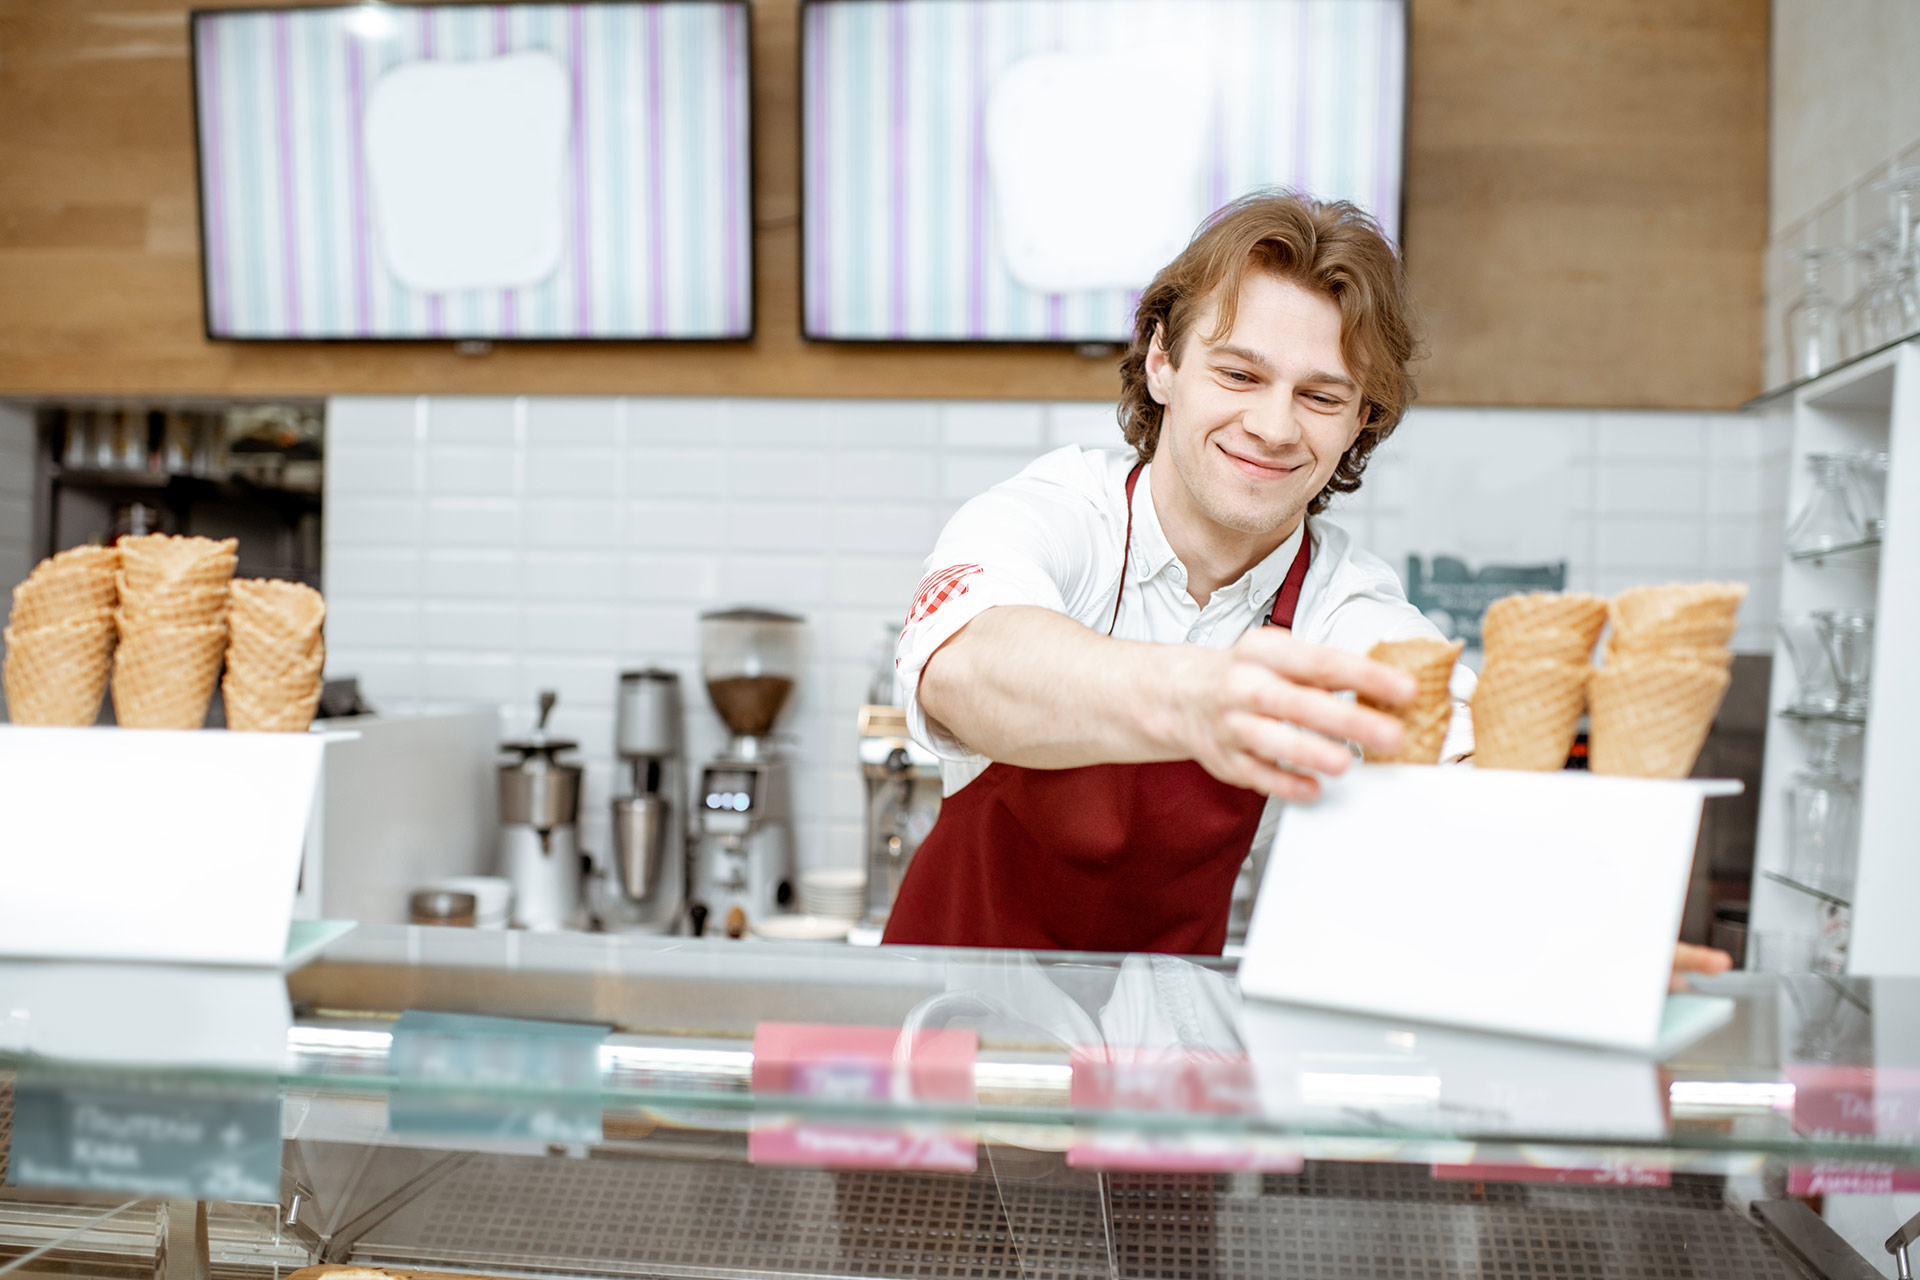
pixel 178 1142
pixel 466 1076
pixel 853 1065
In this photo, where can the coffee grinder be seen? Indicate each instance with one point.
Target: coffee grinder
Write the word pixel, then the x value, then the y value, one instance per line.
pixel 539 807
pixel 742 866
pixel 642 886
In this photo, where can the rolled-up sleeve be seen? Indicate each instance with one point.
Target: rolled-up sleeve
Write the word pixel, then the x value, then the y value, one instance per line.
pixel 1025 542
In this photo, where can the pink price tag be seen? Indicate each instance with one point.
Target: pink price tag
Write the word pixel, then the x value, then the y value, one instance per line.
pixel 854 1064
pixel 1611 1175
pixel 1177 1081
pixel 1832 1177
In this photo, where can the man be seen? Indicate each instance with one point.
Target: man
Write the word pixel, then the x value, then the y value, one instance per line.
pixel 1120 656
pixel 1086 654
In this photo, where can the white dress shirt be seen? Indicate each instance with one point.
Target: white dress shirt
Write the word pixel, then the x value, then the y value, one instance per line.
pixel 1052 536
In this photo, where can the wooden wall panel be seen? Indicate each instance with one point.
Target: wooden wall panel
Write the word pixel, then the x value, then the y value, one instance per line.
pixel 1586 216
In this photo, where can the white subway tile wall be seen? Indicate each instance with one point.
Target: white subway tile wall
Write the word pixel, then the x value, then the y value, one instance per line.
pixel 16 503
pixel 480 550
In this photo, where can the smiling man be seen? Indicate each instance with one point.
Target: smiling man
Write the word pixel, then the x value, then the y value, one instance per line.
pixel 1121 655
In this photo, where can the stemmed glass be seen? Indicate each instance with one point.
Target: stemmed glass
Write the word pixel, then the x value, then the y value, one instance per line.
pixel 1847 635
pixel 1821 804
pixel 1813 321
pixel 1872 317
pixel 1902 184
pixel 1870 486
pixel 1831 519
pixel 1814 691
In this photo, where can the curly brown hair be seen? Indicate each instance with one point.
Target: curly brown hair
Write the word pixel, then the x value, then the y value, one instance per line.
pixel 1330 247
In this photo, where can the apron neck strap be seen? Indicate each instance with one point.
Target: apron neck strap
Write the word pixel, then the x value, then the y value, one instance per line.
pixel 1285 602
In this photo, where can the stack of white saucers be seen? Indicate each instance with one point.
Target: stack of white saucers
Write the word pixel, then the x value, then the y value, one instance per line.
pixel 493 897
pixel 786 928
pixel 834 892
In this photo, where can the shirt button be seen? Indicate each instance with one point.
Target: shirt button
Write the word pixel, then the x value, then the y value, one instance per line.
pixel 1193 636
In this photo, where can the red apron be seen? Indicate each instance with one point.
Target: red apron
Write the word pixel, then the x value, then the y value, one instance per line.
pixel 1104 857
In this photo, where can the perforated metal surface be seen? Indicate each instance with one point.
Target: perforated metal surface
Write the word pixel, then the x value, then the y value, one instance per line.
pixel 1381 1222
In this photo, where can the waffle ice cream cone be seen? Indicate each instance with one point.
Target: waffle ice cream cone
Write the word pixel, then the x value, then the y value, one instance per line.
pixel 76 581
pixel 1526 712
pixel 157 560
pixel 163 676
pixel 1430 663
pixel 1650 715
pixel 1543 624
pixel 54 675
pixel 1681 615
pixel 277 657
pixel 173 606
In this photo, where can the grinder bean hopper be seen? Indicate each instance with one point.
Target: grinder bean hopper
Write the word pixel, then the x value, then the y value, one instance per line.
pixel 742 866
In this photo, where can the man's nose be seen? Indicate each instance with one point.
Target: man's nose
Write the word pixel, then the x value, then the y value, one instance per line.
pixel 1275 419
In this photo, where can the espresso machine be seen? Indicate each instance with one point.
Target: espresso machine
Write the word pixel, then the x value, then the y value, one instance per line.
pixel 742 865
pixel 539 812
pixel 903 800
pixel 641 886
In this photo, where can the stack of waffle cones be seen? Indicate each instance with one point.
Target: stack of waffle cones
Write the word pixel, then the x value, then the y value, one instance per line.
pixel 173 629
pixel 1539 650
pixel 1430 663
pixel 60 638
pixel 1667 667
pixel 274 665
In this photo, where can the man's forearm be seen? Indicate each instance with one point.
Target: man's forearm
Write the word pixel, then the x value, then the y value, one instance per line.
pixel 1028 686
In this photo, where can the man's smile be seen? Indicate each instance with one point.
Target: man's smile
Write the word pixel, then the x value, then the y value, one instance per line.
pixel 1259 469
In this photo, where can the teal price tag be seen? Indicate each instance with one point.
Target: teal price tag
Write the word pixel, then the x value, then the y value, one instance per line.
pixel 460 1075
pixel 176 1141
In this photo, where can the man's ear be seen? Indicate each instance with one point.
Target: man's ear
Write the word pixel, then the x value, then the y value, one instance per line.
pixel 1159 366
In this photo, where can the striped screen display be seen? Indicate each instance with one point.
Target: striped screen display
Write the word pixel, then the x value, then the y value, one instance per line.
pixel 1016 170
pixel 476 172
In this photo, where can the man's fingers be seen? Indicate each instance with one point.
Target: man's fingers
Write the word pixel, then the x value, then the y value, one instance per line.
pixel 1327 668
pixel 1688 959
pixel 1322 712
pixel 1289 745
pixel 1295 788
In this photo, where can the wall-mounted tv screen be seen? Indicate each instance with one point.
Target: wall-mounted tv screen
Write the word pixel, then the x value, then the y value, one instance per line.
pixel 1017 170
pixel 525 171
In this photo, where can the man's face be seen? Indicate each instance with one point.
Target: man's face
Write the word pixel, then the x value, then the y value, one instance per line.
pixel 1255 423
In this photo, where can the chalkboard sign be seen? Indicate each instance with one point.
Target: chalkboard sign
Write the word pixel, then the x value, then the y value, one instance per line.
pixel 181 1142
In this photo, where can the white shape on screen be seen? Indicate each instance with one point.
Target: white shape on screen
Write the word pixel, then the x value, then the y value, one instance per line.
pixel 466 161
pixel 1093 185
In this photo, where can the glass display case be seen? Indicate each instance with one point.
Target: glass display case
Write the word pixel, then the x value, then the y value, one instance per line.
pixel 505 1103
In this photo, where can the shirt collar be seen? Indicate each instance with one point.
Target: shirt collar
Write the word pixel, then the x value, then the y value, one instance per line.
pixel 1153 555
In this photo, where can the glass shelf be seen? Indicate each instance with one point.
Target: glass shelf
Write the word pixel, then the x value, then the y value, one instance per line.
pixel 1845 548
pixel 675 1037
pixel 1804 716
pixel 1807 889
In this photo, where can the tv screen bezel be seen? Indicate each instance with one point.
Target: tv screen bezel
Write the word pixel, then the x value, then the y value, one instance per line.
pixel 1099 345
pixel 194 17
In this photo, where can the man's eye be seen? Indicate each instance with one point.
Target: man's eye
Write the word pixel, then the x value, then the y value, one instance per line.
pixel 1329 402
pixel 1238 375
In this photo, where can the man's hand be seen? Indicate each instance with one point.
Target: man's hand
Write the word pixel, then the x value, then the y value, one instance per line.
pixel 1265 715
pixel 1688 959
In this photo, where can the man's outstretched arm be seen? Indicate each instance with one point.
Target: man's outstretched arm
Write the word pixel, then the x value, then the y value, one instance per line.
pixel 1030 686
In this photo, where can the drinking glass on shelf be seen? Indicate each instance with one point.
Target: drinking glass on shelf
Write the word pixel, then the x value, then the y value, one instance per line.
pixel 1813 321
pixel 1902 185
pixel 1831 518
pixel 1822 802
pixel 1869 471
pixel 1814 690
pixel 1836 931
pixel 1781 951
pixel 1847 636
pixel 1873 316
